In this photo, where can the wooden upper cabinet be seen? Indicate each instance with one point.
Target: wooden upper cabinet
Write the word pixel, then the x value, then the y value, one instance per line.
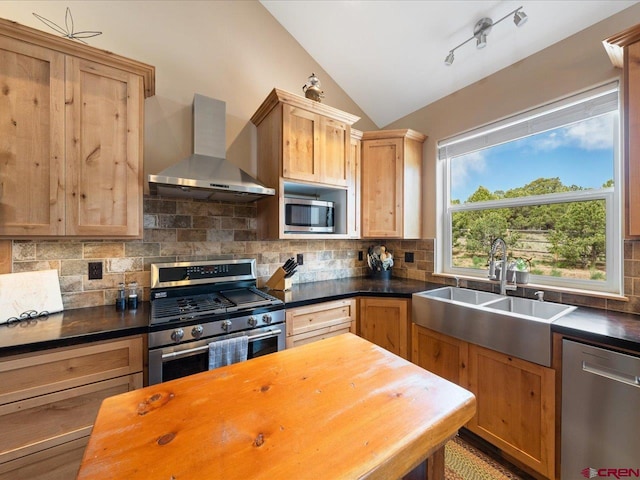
pixel 624 51
pixel 300 144
pixel 315 138
pixel 104 111
pixel 334 153
pixel 391 192
pixel 355 184
pixel 71 137
pixel 305 148
pixel 31 139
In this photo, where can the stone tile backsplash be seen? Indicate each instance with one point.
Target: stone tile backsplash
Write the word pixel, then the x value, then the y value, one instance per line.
pixel 187 230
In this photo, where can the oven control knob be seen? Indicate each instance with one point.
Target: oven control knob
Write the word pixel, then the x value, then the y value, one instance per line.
pixel 252 321
pixel 226 325
pixel 196 332
pixel 177 335
pixel 266 318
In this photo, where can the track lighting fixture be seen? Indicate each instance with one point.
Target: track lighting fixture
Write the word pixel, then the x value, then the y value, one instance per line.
pixel 483 27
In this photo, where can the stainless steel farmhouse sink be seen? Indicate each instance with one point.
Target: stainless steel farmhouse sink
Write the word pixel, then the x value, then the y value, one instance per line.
pixel 530 308
pixel 463 295
pixel 515 326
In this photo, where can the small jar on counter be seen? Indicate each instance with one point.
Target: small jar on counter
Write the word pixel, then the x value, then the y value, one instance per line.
pixel 121 300
pixel 133 296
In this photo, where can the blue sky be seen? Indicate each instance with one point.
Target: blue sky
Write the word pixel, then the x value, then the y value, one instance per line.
pixel 579 154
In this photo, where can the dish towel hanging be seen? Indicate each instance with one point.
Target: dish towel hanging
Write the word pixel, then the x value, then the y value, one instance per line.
pixel 226 352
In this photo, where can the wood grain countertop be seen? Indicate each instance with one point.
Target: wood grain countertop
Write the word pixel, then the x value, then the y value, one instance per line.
pixel 337 408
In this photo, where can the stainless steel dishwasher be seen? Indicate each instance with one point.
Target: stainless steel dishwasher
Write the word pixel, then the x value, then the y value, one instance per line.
pixel 600 412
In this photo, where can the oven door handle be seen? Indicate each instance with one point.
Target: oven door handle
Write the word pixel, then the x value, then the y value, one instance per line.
pixel 250 338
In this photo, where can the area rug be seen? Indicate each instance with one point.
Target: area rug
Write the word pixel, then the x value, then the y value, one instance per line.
pixel 464 462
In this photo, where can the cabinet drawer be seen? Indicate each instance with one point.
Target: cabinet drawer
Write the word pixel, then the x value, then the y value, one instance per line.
pixel 58 463
pixel 324 315
pixel 30 375
pixel 48 420
pixel 319 334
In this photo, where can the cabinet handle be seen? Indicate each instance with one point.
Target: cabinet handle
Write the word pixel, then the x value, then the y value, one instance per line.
pixel 612 374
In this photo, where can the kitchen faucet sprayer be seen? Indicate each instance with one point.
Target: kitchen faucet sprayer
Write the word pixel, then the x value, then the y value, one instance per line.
pixel 498 242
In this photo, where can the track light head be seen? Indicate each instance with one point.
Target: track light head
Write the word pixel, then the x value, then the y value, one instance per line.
pixel 481 40
pixel 481 29
pixel 450 58
pixel 520 18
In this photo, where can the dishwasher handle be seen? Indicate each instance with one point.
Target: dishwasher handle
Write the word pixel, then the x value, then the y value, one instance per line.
pixel 612 374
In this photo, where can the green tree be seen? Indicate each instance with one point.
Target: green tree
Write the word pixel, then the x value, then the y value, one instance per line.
pixel 579 236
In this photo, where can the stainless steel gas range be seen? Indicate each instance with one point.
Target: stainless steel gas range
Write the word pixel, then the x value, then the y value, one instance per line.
pixel 196 303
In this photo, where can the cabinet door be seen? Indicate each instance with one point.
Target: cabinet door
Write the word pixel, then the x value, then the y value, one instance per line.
pixel 441 354
pixel 300 144
pixel 104 118
pixel 384 321
pixel 632 161
pixel 56 463
pixel 49 420
pixel 515 407
pixel 30 375
pixel 31 140
pixel 353 193
pixel 335 144
pixel 382 188
pixel 315 322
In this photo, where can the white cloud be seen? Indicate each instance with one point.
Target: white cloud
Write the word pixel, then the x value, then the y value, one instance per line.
pixel 592 134
pixel 464 166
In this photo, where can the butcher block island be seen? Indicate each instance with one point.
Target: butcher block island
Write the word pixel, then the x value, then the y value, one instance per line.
pixel 337 408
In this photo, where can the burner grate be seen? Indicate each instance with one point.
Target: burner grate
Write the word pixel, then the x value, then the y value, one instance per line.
pixel 188 307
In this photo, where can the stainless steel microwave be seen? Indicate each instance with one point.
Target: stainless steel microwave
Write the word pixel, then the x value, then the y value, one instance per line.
pixel 308 216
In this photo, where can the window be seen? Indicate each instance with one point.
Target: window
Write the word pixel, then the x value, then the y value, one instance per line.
pixel 547 182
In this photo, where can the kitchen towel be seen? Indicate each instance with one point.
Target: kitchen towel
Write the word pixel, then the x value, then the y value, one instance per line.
pixel 20 292
pixel 226 352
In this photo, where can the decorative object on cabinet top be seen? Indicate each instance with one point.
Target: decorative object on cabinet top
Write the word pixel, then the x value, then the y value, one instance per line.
pixel 68 31
pixel 276 95
pixel 312 89
pixel 21 32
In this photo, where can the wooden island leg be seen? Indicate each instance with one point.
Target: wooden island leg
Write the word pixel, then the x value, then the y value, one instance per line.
pixel 431 469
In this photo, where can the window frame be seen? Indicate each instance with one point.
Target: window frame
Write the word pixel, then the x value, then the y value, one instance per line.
pixel 612 196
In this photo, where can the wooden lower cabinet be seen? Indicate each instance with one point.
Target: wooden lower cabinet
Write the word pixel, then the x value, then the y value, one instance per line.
pixel 441 354
pixel 515 398
pixel 322 320
pixel 385 322
pixel 50 400
pixel 56 463
pixel 515 407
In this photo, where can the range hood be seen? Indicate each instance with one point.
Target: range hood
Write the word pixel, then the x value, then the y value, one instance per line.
pixel 207 174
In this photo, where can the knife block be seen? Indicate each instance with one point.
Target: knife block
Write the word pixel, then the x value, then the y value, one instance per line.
pixel 278 282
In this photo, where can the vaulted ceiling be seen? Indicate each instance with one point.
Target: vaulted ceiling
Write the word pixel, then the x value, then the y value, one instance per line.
pixel 388 55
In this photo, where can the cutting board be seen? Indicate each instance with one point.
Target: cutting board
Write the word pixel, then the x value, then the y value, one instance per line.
pixel 24 291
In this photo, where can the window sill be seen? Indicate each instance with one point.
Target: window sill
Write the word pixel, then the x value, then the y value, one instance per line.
pixel 535 286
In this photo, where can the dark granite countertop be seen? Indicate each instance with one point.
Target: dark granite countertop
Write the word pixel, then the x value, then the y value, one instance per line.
pixel 316 292
pixel 616 329
pixel 73 327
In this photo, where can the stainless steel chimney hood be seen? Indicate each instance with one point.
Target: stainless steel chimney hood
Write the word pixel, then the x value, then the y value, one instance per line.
pixel 207 175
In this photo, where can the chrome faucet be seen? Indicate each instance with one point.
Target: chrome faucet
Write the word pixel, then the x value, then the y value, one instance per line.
pixel 498 242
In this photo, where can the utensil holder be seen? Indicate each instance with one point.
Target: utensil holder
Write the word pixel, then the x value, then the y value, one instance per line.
pixel 278 282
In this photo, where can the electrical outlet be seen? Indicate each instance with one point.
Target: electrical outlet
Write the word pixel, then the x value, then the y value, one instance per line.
pixel 408 257
pixel 300 259
pixel 95 271
pixel 360 255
